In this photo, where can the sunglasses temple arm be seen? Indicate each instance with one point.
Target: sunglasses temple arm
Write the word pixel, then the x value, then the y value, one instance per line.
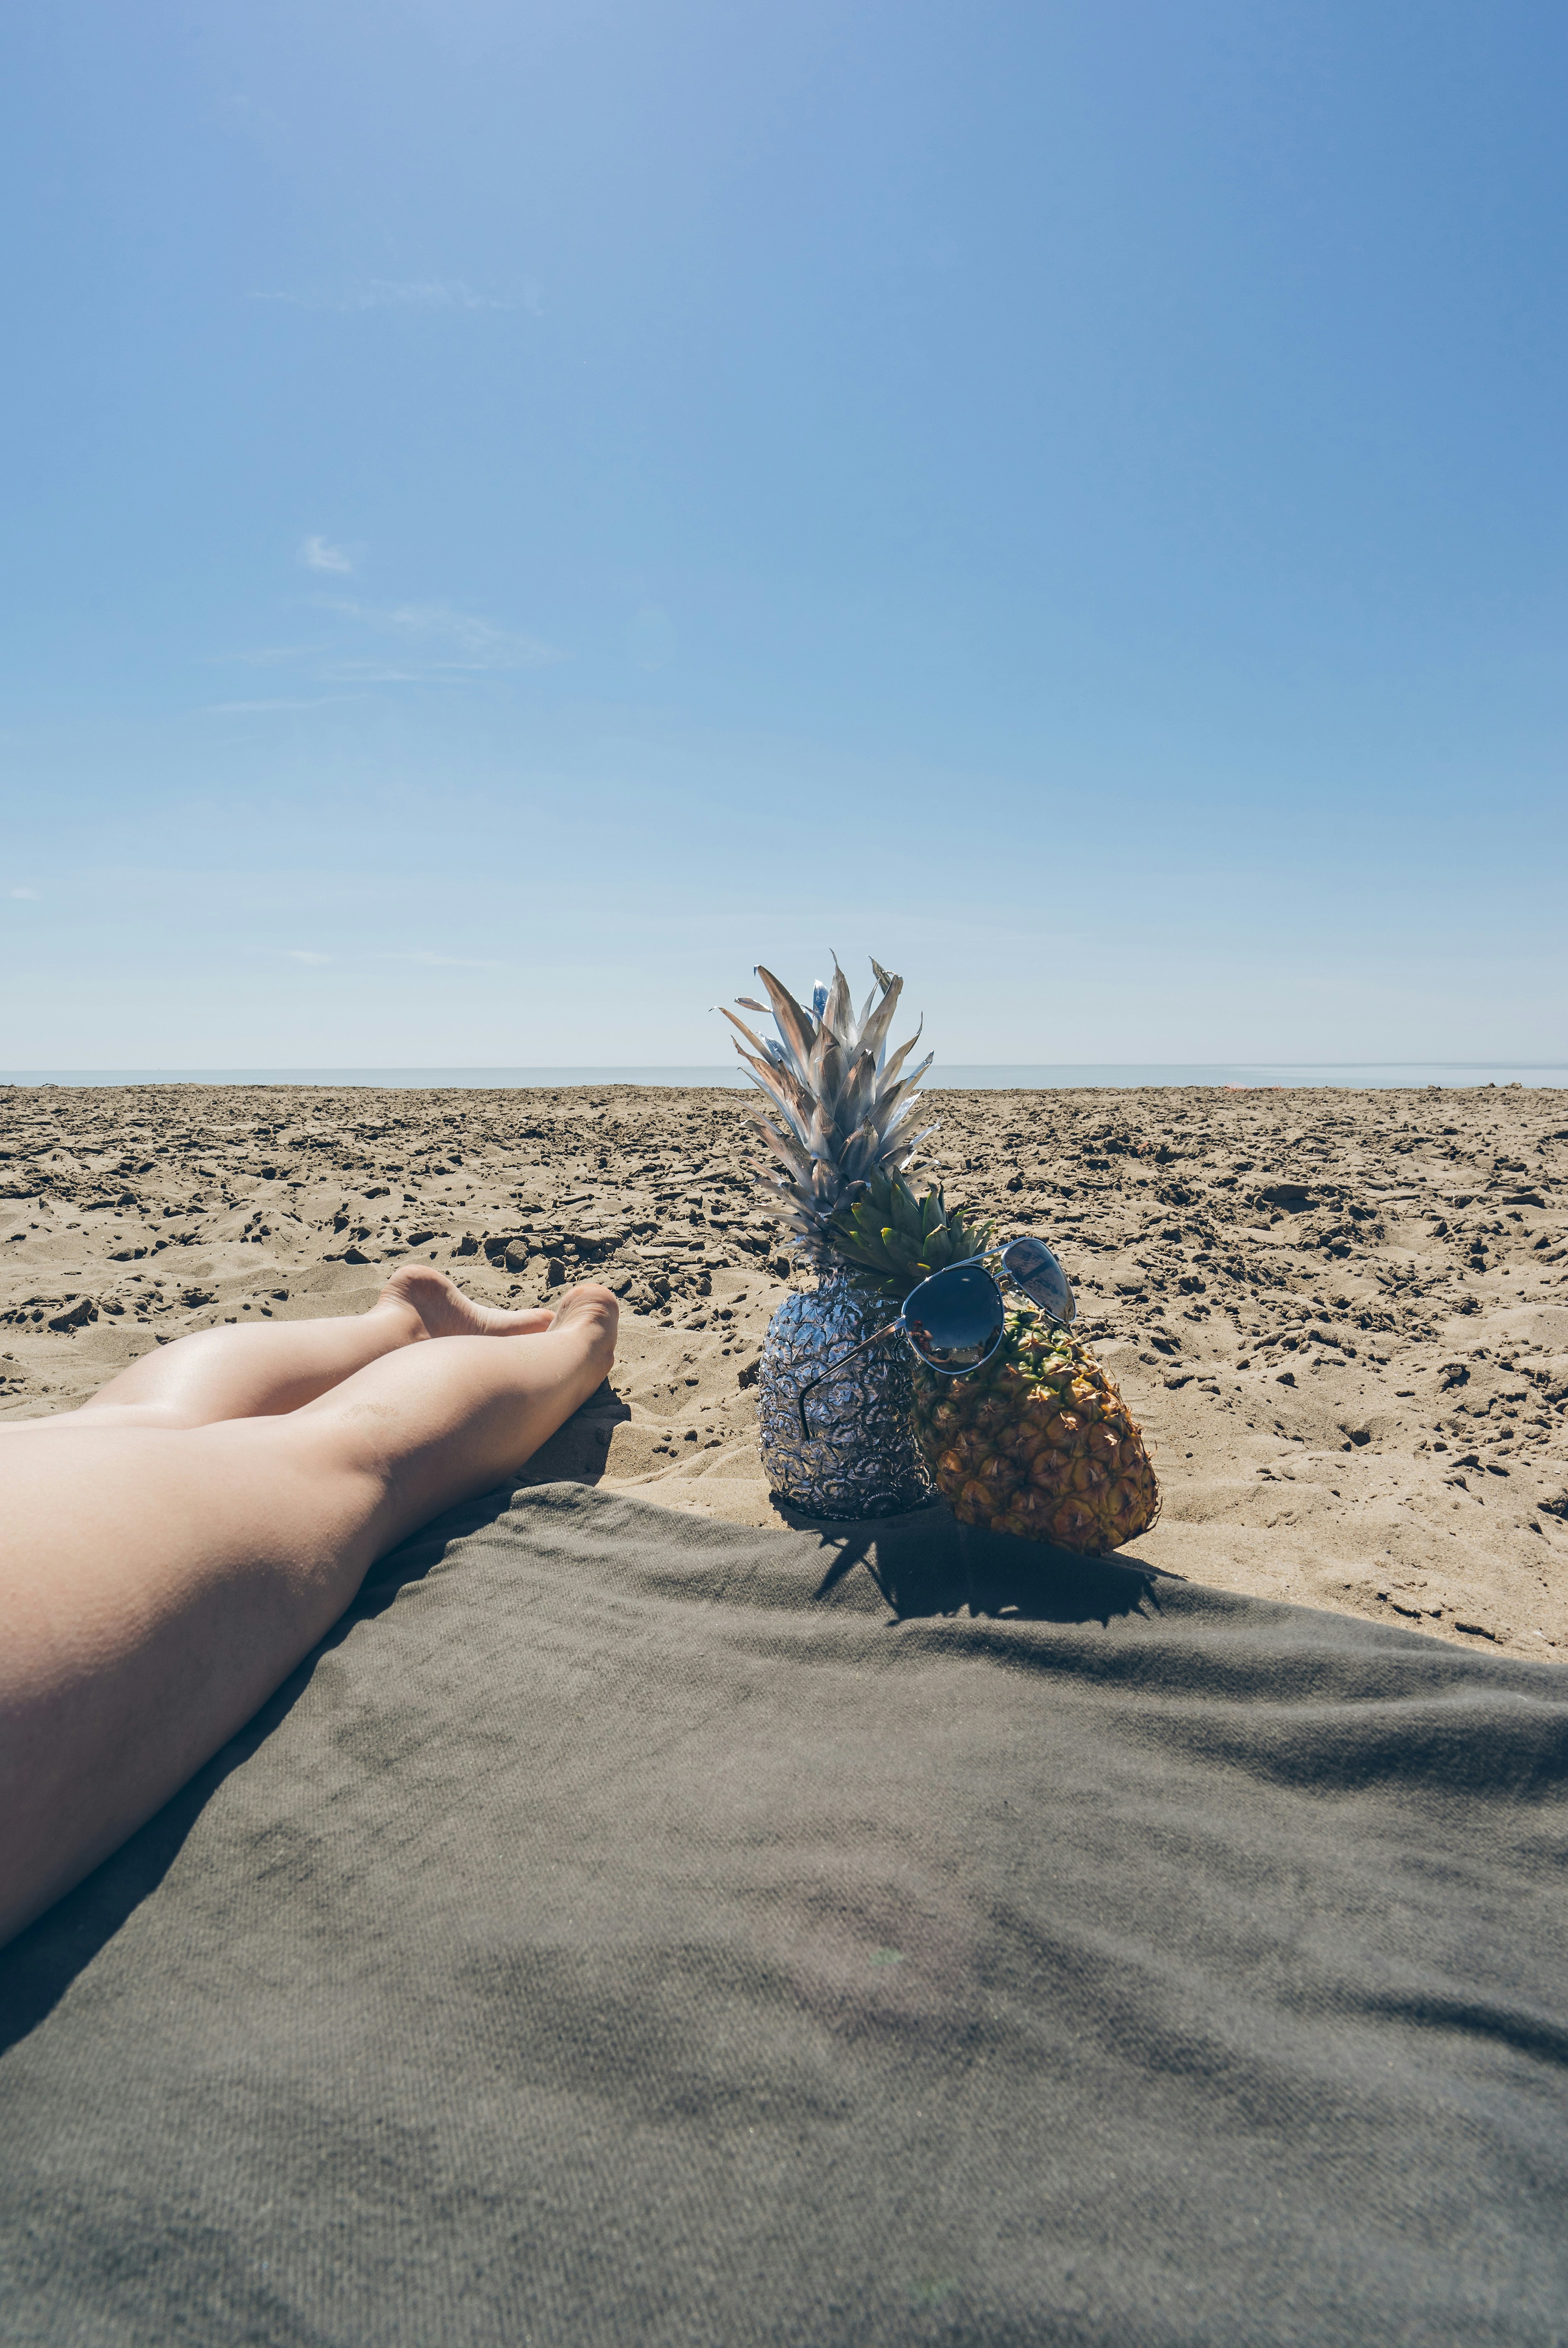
pixel 837 1364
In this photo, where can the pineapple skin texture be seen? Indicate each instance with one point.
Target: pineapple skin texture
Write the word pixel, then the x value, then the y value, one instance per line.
pixel 1038 1444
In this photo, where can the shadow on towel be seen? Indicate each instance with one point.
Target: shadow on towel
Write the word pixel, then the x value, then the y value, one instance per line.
pixel 925 1563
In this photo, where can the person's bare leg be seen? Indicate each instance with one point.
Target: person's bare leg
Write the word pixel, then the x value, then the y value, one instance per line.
pixel 157 1583
pixel 256 1371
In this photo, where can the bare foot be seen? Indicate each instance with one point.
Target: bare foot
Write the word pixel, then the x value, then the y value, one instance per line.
pixel 444 1312
pixel 594 1309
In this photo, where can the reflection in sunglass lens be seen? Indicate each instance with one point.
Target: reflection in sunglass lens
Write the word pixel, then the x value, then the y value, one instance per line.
pixel 1040 1277
pixel 955 1318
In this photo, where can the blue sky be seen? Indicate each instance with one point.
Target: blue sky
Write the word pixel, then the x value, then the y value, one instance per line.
pixel 514 513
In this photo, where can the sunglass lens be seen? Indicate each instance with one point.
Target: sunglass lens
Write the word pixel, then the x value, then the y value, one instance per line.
pixel 1040 1277
pixel 955 1318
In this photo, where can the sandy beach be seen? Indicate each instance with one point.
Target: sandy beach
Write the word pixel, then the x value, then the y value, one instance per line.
pixel 1341 1317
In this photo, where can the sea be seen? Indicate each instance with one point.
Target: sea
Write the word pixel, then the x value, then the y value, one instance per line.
pixel 1456 1075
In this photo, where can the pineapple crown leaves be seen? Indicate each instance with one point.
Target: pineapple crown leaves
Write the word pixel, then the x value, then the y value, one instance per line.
pixel 894 1240
pixel 837 1102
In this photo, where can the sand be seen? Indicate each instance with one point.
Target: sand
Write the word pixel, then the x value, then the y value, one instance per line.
pixel 1341 1317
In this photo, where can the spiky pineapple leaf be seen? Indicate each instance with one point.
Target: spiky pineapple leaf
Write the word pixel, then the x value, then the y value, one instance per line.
pixel 896 1239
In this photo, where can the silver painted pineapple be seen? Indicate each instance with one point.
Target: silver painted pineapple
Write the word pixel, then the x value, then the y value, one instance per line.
pixel 838 1110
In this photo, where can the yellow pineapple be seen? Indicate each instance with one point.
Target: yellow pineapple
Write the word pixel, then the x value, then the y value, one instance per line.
pixel 1039 1442
pixel 1036 1442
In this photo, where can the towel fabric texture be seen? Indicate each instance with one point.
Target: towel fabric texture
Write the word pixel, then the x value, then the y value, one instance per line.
pixel 626 1929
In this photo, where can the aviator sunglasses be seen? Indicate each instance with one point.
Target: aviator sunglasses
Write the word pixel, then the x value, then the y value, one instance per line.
pixel 955 1321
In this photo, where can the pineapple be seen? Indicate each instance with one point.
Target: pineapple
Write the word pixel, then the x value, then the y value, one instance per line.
pixel 837 1115
pixel 1038 1441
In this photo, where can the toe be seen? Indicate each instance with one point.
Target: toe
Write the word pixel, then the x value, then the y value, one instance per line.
pixel 529 1323
pixel 445 1312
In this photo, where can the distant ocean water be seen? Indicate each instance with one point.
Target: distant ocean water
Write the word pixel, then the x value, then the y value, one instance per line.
pixel 1406 1075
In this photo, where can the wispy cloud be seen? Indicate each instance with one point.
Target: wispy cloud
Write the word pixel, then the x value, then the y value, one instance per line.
pixel 444 962
pixel 253 708
pixel 401 644
pixel 409 294
pixel 434 641
pixel 320 554
pixel 32 896
pixel 270 655
pixel 302 953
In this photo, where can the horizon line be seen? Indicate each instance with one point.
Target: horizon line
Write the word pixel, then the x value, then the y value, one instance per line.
pixel 707 1067
pixel 955 1075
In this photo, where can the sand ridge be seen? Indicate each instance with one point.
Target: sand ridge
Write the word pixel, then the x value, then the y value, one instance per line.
pixel 1341 1317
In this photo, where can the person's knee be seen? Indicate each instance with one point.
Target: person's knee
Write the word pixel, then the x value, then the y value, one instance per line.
pixel 318 1477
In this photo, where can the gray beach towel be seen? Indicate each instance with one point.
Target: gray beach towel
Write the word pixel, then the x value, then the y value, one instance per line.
pixel 627 1929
